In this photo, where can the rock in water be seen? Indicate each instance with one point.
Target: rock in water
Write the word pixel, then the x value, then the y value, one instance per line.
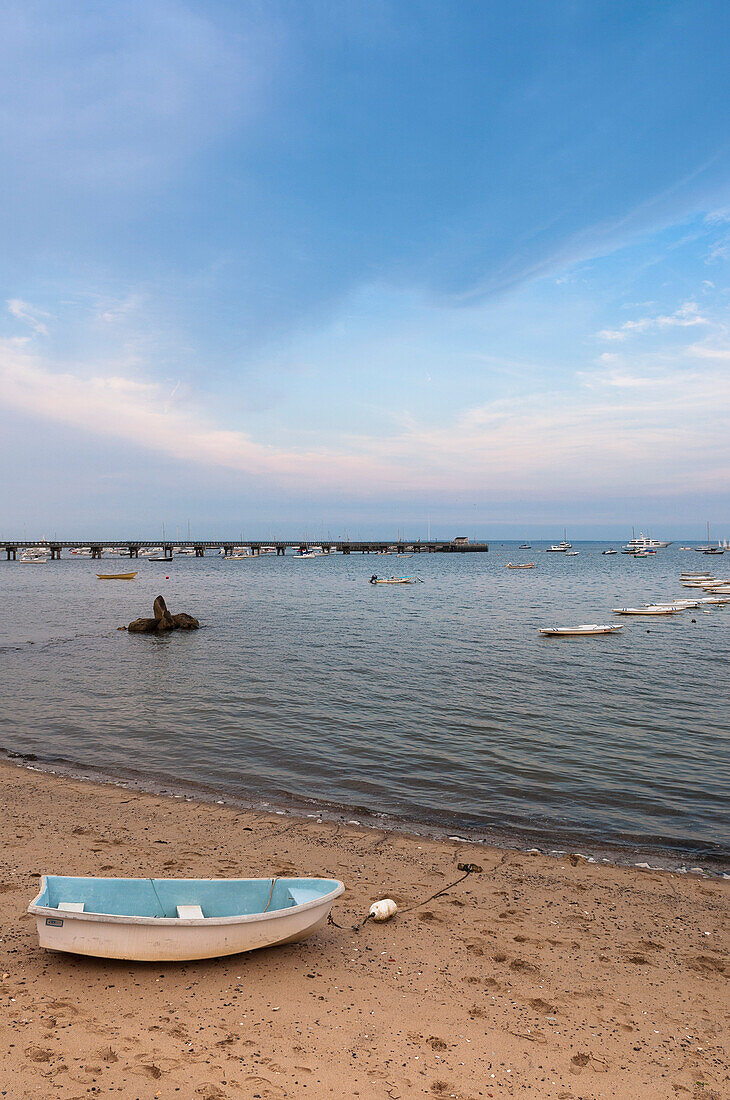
pixel 185 622
pixel 142 626
pixel 163 621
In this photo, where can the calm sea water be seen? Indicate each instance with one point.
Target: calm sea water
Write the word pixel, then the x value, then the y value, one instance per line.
pixel 437 704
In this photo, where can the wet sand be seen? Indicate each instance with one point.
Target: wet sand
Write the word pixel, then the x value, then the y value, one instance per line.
pixel 538 977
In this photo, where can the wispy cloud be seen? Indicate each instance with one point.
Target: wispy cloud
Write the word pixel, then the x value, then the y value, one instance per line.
pixel 30 315
pixel 686 316
pixel 663 432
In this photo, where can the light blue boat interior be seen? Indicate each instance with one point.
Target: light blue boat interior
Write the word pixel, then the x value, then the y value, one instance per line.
pixel 160 897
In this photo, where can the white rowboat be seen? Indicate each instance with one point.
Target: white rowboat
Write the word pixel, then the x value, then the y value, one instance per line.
pixel 650 609
pixel 170 920
pixel 576 631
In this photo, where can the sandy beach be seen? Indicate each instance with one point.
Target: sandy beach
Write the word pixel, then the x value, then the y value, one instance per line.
pixel 538 977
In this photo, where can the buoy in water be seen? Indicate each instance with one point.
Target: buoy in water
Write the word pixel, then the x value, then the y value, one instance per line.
pixel 383 910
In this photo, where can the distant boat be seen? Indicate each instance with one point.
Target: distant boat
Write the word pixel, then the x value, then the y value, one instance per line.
pixel 394 580
pixel 575 631
pixel 610 552
pixel 116 576
pixel 650 609
pixel 643 542
pixel 173 920
pixel 525 546
pixel 525 565
pixel 708 548
pixel 572 553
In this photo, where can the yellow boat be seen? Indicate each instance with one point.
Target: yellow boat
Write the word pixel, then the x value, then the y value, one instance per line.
pixel 116 576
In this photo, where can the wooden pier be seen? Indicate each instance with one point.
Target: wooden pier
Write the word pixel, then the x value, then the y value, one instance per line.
pixel 131 547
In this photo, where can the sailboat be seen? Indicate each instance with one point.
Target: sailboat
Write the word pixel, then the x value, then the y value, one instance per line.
pixel 709 548
pixel 560 547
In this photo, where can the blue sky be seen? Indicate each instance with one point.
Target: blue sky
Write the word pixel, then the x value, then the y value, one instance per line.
pixel 267 266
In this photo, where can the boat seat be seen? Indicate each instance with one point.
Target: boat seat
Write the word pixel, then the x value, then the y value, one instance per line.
pixel 190 912
pixel 71 906
pixel 300 894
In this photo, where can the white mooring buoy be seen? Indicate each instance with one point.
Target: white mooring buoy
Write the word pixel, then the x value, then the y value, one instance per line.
pixel 383 910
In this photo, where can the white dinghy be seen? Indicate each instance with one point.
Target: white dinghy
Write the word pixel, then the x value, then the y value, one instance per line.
pixel 650 609
pixel 576 631
pixel 171 920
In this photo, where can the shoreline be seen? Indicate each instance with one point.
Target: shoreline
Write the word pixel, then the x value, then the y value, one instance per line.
pixel 551 978
pixel 527 839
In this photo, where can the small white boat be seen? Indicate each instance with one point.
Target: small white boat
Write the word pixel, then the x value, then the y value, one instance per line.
pixel 171 920
pixel 572 553
pixel 605 552
pixel 576 631
pixel 395 580
pixel 650 609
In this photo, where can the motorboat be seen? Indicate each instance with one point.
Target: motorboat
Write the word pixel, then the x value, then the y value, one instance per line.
pixel 33 557
pixel 395 580
pixel 572 553
pixel 525 546
pixel 560 547
pixel 526 565
pixel 643 542
pixel 578 631
pixel 116 576
pixel 605 552
pixel 171 920
pixel 649 609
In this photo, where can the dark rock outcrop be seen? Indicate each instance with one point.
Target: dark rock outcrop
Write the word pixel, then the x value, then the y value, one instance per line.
pixel 163 621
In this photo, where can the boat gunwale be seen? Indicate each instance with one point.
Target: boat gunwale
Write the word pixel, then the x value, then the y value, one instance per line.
pixel 182 922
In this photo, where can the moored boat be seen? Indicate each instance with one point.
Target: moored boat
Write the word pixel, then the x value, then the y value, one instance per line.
pixel 116 576
pixel 579 631
pixel 526 565
pixel 650 609
pixel 394 580
pixel 171 920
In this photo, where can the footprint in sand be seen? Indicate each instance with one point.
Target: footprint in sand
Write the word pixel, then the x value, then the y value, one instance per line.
pixel 38 1054
pixel 709 964
pixel 262 1088
pixel 522 966
pixel 62 1008
pixel 582 1061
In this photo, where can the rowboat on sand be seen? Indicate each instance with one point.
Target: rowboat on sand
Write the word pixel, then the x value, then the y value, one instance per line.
pixel 116 576
pixel 171 920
